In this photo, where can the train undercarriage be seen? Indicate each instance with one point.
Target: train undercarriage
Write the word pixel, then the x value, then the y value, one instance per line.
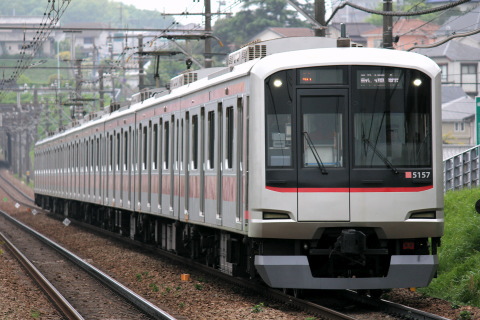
pixel 339 254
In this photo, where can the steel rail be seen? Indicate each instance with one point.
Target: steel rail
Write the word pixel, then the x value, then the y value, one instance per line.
pixel 392 307
pixel 307 306
pixel 251 286
pixel 58 300
pixel 138 301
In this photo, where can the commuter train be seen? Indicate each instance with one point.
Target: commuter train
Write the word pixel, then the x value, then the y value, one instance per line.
pixel 308 162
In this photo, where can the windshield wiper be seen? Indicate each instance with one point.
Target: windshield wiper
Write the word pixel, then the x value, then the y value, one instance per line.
pixel 320 164
pixel 380 155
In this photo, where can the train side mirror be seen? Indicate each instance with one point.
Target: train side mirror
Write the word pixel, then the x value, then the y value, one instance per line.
pixel 477 206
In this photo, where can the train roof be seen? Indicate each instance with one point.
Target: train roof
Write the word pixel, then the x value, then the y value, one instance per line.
pixel 263 59
pixel 346 56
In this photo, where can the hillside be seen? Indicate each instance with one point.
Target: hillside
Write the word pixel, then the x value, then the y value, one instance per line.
pixel 459 273
pixel 112 13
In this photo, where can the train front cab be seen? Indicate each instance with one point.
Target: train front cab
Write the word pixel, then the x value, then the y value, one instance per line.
pixel 351 197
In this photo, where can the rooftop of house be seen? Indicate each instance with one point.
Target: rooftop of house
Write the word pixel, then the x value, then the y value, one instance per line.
pixel 460 24
pixel 452 50
pixel 459 109
pixel 408 27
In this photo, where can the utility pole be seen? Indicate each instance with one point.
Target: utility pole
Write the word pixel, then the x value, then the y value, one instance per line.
pixel 141 74
pixel 102 97
pixel 208 29
pixel 320 17
pixel 387 25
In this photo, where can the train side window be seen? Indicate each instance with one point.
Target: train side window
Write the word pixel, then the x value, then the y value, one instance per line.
pixel 155 147
pixel 92 154
pixel 144 148
pixel 75 156
pixel 98 155
pixel 110 155
pixel 230 137
pixel 279 116
pixel 117 167
pixel 211 140
pixel 166 145
pixel 195 142
pixel 125 151
pixel 182 143
pixel 87 155
pixel 177 146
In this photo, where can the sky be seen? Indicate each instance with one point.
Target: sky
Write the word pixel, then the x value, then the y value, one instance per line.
pixel 179 6
pixel 192 6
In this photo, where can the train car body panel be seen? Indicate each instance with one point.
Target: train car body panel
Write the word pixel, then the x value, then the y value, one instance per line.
pixel 311 166
pixel 405 272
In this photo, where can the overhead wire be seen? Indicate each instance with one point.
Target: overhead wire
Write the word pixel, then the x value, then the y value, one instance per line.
pixel 454 32
pixel 393 13
pixel 50 19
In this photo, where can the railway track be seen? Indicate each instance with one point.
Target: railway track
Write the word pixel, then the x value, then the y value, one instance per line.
pixel 91 292
pixel 122 303
pixel 311 307
pixel 53 294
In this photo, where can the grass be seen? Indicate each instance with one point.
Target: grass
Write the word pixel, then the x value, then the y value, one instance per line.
pixel 258 307
pixel 459 273
pixel 41 76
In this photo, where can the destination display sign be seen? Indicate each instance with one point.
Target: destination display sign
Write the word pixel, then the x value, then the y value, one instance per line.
pixel 377 79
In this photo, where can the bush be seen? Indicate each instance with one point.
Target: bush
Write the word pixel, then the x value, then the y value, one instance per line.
pixel 458 274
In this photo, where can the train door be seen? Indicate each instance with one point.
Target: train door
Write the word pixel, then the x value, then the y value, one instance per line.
pixel 185 175
pixel 154 170
pixel 167 167
pixel 130 147
pixel 201 164
pixel 138 168
pixel 231 142
pixel 126 167
pixel 177 167
pixel 209 175
pixel 323 174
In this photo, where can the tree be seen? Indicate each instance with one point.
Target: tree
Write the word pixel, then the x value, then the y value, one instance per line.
pixel 256 17
pixel 412 6
pixel 109 12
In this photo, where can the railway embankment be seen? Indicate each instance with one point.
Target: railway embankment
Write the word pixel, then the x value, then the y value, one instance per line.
pixel 455 293
pixel 458 278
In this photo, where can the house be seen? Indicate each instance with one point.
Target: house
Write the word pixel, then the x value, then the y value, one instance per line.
pixel 354 31
pixel 458 121
pixel 88 42
pixel 472 4
pixel 459 63
pixel 275 33
pixel 410 32
pixel 351 15
pixel 462 24
pixel 16 40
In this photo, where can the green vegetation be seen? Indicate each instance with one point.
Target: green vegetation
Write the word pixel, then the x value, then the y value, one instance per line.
pixel 258 307
pixel 44 75
pixel 111 13
pixel 255 17
pixel 35 314
pixel 413 6
pixel 465 315
pixel 459 275
pixel 154 287
pixel 141 276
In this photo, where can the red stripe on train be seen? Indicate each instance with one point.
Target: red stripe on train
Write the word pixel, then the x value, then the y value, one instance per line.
pixel 399 189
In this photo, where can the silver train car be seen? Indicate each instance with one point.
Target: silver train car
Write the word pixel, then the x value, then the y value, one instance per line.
pixel 310 165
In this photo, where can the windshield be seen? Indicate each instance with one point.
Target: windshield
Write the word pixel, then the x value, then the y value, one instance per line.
pixel 391 118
